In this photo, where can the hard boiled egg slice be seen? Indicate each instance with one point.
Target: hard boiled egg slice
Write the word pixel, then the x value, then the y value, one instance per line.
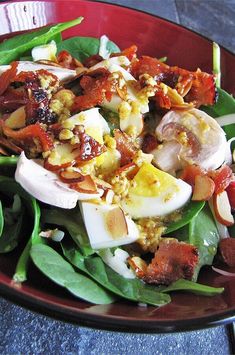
pixel 107 226
pixel 155 193
pixel 45 185
pixel 201 138
pixel 61 73
pixel 45 52
pixel 94 123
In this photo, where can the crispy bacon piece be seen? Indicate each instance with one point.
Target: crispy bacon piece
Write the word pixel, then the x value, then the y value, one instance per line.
pixel 203 89
pixel 149 143
pixel 222 178
pixel 190 172
pixel 149 65
pixel 12 99
pixel 197 87
pixel 89 148
pixel 7 77
pixel 66 60
pixel 129 52
pixel 125 147
pixel 96 87
pixel 172 261
pixel 227 251
pixel 7 147
pixel 29 132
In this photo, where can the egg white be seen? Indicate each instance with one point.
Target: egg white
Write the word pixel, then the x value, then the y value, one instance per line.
pixel 159 200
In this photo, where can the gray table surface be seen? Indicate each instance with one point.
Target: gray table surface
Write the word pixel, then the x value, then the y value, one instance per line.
pixel 25 332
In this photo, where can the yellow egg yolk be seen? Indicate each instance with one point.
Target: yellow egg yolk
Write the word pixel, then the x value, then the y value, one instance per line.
pixel 152 182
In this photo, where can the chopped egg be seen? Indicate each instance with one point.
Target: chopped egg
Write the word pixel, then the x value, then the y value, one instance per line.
pixel 45 52
pixel 202 141
pixel 155 193
pixel 45 186
pixel 107 226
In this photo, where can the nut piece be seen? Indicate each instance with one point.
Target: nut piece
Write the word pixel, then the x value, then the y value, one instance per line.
pixel 115 221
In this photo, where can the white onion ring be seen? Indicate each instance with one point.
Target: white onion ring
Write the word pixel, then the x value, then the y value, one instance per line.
pixel 223 272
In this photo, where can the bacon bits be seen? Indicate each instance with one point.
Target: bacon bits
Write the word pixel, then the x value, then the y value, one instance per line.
pixel 172 261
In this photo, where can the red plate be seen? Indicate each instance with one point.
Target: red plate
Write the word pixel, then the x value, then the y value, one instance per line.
pixel 155 37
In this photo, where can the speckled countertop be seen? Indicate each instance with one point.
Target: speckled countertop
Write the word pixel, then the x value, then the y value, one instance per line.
pixel 25 332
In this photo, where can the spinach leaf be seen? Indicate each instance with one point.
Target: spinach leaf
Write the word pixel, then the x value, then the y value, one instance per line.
pixel 10 187
pixel 13 218
pixel 131 289
pixel 52 264
pixel 190 211
pixel 193 287
pixel 224 106
pixel 23 262
pixel 8 160
pixel 202 233
pixel 73 222
pixel 83 47
pixel 11 49
pixel 111 117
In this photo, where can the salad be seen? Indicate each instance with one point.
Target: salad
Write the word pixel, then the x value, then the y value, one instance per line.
pixel 120 166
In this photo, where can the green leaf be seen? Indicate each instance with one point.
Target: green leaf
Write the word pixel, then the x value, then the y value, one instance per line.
pixel 10 187
pixel 72 221
pixel 8 160
pixel 193 287
pixel 204 235
pixel 11 235
pixel 83 47
pixel 190 211
pixel 52 265
pixel 131 289
pixel 225 105
pixel 13 48
pixel 13 218
pixel 111 117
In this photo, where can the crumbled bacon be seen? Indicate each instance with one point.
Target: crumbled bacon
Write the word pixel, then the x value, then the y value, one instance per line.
pixel 197 87
pixel 129 52
pixel 125 147
pixel 29 133
pixel 96 87
pixel 173 260
pixel 149 143
pixel 7 77
pixel 66 60
pixel 89 147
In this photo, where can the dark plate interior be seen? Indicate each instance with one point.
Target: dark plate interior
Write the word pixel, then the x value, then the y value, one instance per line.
pixel 156 37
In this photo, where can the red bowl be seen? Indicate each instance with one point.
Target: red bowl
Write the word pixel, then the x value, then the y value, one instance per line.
pixel 155 37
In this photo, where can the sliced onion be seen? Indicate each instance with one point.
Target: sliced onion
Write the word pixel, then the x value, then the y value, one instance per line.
pixel 228 155
pixel 222 230
pixel 103 52
pixel 223 272
pixel 226 119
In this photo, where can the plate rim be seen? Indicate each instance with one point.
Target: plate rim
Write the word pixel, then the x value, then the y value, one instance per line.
pixel 112 322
